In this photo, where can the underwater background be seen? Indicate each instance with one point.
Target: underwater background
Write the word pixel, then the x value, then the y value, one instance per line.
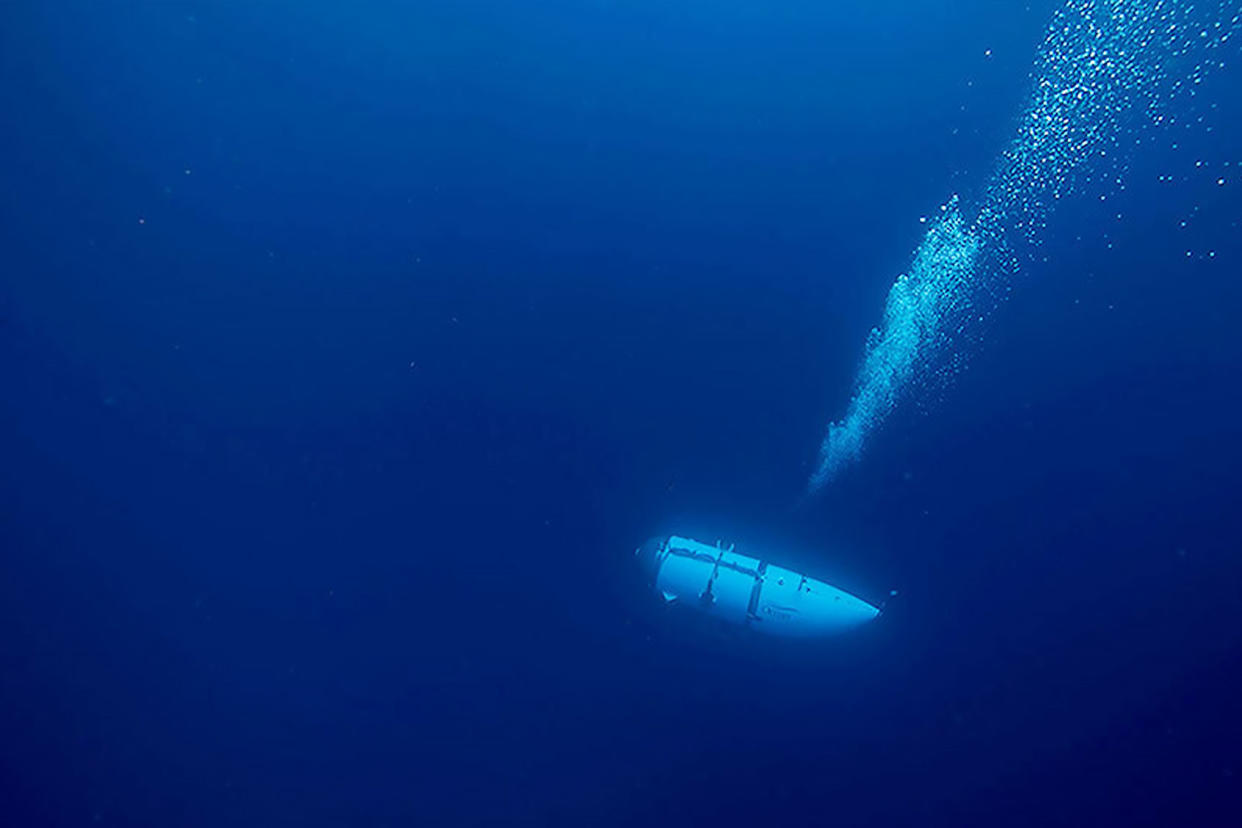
pixel 350 349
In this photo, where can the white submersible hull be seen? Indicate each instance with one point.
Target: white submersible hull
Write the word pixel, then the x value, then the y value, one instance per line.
pixel 747 591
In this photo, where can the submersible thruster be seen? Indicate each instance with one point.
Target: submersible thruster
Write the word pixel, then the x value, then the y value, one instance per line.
pixel 748 591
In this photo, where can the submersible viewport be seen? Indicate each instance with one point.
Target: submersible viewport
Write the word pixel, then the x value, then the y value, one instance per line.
pixel 748 592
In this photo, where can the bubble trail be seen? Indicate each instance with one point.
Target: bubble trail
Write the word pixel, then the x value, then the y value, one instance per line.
pixel 1103 65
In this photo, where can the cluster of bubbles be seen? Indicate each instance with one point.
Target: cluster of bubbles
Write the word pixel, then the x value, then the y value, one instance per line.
pixel 1104 65
pixel 920 308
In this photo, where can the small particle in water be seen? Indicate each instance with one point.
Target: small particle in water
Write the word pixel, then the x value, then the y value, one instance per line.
pixel 142 221
pixel 1220 181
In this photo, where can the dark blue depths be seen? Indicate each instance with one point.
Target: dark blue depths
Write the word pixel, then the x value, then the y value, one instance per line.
pixel 349 352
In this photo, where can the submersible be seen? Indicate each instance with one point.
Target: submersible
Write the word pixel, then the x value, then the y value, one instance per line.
pixel 749 592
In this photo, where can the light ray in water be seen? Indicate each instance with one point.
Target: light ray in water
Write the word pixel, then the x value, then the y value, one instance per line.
pixel 1104 64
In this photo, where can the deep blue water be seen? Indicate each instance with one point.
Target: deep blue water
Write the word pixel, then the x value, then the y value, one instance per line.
pixel 350 350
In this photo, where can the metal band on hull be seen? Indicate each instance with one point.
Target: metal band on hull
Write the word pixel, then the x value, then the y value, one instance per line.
pixel 749 592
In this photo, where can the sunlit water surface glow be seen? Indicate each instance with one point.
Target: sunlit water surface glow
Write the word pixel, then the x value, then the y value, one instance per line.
pixel 1105 68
